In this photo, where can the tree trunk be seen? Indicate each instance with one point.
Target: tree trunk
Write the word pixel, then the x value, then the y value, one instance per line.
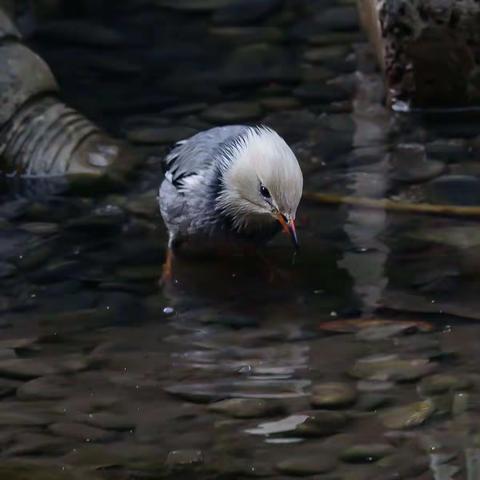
pixel 429 50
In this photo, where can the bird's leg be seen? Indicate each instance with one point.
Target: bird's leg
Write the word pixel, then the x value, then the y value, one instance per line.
pixel 167 269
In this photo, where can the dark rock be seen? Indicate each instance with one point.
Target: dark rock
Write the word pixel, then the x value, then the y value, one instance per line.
pixel 245 35
pixel 183 458
pixel 232 112
pixel 391 367
pixel 110 421
pixel 318 93
pixel 8 387
pixel 339 19
pixel 280 103
pixel 324 55
pixel 455 190
pixel 366 453
pixel 246 13
pixel 80 32
pixel 304 465
pixel 159 135
pixel 27 368
pixel 442 383
pixel 195 5
pixel 332 395
pixel 248 407
pixel 37 444
pixel 79 431
pixel 45 388
pixel 321 423
pixel 410 165
pixel 408 416
pixel 7 270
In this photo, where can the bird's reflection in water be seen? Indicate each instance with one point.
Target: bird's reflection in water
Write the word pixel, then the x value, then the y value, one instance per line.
pixel 240 276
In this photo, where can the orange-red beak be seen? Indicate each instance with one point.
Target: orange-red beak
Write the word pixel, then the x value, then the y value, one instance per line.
pixel 288 225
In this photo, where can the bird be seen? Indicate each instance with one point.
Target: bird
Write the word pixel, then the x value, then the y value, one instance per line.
pixel 231 183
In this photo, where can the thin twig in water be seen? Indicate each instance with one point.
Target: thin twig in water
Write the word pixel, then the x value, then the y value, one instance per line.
pixel 393 206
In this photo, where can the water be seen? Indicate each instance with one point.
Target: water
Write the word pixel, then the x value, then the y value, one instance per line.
pixel 228 371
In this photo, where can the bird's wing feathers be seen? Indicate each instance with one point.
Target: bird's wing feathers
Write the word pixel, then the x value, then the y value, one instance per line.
pixel 191 156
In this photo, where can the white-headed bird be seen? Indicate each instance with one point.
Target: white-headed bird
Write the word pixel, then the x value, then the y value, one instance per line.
pixel 231 183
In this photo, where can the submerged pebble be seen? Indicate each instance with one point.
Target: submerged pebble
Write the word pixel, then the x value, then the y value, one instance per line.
pixel 321 423
pixel 248 407
pixel 408 416
pixel 333 395
pixel 366 453
pixel 80 431
pixel 232 112
pixel 392 368
pixel 184 458
pixel 304 465
pixel 441 383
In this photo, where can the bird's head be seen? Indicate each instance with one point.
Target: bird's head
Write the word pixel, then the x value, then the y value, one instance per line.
pixel 261 181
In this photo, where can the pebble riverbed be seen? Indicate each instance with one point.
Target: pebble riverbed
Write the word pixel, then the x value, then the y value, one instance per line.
pixel 358 360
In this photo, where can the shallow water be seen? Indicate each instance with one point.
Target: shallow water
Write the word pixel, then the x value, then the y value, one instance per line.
pixel 238 369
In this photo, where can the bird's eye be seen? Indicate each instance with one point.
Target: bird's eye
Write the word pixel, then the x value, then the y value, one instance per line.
pixel 264 191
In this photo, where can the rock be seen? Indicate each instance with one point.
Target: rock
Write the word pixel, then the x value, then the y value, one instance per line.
pixel 17 470
pixel 325 54
pixel 79 32
pixel 7 270
pixel 280 103
pixel 366 453
pixel 321 423
pixel 184 109
pixel 110 421
pixel 248 407
pixel 335 38
pixel 373 401
pixel 454 190
pixel 45 388
pixel 184 458
pixel 26 368
pixel 408 416
pixel 79 431
pixel 37 444
pixel 304 465
pixel 441 383
pixel 285 425
pixel 246 35
pixel 404 465
pixel 232 112
pixel 241 13
pixel 20 419
pixel 333 395
pixel 194 5
pixel 391 367
pixel 374 334
pixel 145 205
pixel 410 164
pixel 340 19
pixel 258 64
pixel 8 387
pixel 7 28
pixel 159 135
pixel 446 149
pixel 40 228
pixel 359 325
pixel 318 93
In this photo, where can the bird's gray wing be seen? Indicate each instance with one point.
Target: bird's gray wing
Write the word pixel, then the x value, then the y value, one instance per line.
pixel 191 156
